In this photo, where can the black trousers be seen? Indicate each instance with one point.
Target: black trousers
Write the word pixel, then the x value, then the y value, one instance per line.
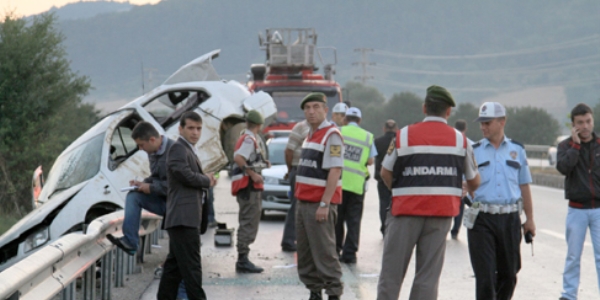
pixel 349 214
pixel 385 200
pixel 289 229
pixel 458 219
pixel 183 262
pixel 494 247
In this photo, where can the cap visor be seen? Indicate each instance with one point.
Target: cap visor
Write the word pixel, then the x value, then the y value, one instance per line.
pixel 483 119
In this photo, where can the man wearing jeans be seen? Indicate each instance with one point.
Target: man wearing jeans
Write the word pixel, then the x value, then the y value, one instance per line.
pixel 575 159
pixel 151 193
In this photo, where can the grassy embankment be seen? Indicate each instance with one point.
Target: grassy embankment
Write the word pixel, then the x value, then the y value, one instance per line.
pixel 6 221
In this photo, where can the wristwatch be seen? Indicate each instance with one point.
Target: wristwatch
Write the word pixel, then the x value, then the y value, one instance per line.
pixel 323 204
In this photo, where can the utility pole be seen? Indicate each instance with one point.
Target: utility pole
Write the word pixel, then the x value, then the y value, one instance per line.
pixel 364 62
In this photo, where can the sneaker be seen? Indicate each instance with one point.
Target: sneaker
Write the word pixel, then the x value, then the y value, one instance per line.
pixel 315 296
pixel 117 242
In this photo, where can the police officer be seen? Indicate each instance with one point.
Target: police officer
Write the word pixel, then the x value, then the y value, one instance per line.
pixel 338 114
pixel 424 168
pixel 247 186
pixel 359 152
pixel 319 192
pixel 494 240
pixel 293 149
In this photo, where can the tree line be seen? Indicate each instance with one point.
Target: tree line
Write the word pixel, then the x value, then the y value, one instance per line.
pixel 528 125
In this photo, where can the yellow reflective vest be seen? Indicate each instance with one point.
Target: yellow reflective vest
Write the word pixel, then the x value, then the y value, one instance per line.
pixel 357 148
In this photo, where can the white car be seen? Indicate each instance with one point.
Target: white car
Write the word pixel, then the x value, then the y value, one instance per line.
pixel 276 193
pixel 86 179
pixel 553 149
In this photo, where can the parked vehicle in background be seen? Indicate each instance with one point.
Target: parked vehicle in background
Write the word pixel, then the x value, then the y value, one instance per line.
pixel 552 149
pixel 289 73
pixel 86 179
pixel 276 193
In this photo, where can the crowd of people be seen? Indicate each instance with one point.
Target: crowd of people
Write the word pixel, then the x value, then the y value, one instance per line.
pixel 426 173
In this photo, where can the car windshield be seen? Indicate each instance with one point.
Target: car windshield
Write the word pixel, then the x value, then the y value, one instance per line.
pixel 288 104
pixel 78 165
pixel 277 153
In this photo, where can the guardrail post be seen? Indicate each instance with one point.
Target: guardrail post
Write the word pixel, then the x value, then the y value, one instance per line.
pixel 107 271
pixel 119 268
pixel 148 244
pixel 89 283
pixel 68 293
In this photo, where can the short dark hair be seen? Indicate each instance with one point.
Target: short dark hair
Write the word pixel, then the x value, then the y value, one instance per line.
pixel 354 119
pixel 191 116
pixel 144 131
pixel 390 125
pixel 434 107
pixel 580 110
pixel 460 125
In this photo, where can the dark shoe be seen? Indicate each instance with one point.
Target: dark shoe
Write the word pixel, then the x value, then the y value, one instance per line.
pixel 332 297
pixel 315 296
pixel 117 242
pixel 454 236
pixel 244 265
pixel 288 248
pixel 348 260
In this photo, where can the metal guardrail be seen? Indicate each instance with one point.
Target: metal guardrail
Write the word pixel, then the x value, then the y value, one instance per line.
pixel 537 151
pixel 54 269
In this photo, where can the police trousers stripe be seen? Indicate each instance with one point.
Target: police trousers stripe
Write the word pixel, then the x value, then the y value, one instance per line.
pixel 313 181
pixel 355 171
pixel 404 151
pixel 435 190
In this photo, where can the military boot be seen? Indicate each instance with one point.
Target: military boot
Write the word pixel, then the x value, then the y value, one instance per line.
pixel 244 265
pixel 315 295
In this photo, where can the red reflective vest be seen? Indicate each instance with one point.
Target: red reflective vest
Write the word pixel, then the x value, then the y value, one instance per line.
pixel 311 179
pixel 239 178
pixel 427 175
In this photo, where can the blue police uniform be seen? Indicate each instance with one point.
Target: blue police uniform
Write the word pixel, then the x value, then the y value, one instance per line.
pixel 494 240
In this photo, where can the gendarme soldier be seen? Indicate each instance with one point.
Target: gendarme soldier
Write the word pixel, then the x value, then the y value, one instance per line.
pixel 319 191
pixel 424 167
pixel 247 186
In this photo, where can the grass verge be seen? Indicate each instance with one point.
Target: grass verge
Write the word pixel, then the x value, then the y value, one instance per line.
pixel 6 221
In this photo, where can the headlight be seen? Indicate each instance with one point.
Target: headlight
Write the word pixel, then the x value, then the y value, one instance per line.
pixel 271 180
pixel 37 239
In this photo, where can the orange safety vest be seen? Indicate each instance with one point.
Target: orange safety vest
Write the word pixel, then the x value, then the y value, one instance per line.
pixel 311 179
pixel 427 175
pixel 239 178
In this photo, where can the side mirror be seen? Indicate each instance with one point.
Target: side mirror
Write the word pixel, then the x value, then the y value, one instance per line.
pixel 37 183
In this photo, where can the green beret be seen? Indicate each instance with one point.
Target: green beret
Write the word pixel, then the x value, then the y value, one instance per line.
pixel 439 93
pixel 313 97
pixel 255 117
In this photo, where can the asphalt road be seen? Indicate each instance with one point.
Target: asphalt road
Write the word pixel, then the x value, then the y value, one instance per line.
pixel 540 277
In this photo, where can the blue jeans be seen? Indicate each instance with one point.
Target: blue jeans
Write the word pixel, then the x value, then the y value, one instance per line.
pixel 134 202
pixel 578 221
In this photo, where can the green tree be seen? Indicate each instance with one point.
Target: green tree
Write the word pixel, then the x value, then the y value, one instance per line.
pixel 405 108
pixel 531 125
pixel 369 100
pixel 468 112
pixel 41 108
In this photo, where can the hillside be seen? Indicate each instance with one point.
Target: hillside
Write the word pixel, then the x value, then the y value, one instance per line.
pixel 478 49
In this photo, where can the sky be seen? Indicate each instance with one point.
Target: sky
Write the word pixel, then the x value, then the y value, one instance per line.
pixel 32 7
